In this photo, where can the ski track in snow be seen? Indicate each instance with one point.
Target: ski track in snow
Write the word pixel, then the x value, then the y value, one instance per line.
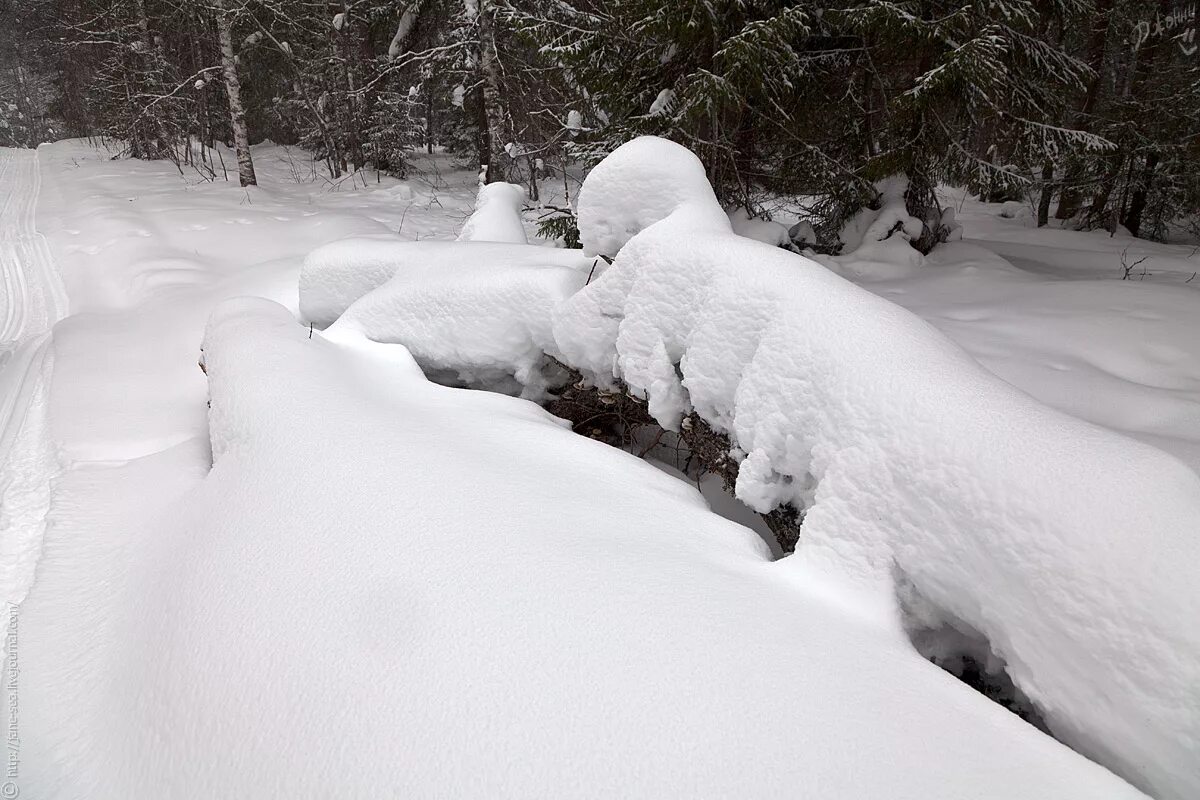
pixel 33 301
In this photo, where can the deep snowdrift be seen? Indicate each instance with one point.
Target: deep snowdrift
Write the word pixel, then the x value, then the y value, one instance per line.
pixel 1072 549
pixel 387 587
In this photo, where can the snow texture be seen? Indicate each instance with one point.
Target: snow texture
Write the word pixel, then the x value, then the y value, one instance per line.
pixel 1070 548
pixel 547 616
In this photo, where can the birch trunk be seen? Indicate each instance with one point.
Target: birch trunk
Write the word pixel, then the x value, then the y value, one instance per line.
pixel 237 114
pixel 493 108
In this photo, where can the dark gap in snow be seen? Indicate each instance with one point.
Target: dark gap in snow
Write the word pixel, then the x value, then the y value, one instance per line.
pixel 697 452
pixel 964 652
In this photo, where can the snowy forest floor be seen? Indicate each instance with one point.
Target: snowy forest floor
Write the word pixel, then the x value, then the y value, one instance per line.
pixel 118 431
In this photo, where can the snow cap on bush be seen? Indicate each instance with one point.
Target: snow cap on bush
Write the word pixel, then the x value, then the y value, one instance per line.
pixel 638 184
pixel 497 216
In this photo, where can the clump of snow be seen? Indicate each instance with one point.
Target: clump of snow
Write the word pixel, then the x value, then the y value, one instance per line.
pixel 407 20
pixel 478 315
pixel 912 460
pixel 637 185
pixel 497 216
pixel 757 228
pixel 336 275
pixel 663 103
pixel 952 230
pixel 802 234
pixel 875 241
pixel 1014 209
pixel 871 225
pixel 888 259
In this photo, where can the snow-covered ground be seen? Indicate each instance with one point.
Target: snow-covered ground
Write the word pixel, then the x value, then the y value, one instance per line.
pixel 31 301
pixel 1047 311
pixel 344 580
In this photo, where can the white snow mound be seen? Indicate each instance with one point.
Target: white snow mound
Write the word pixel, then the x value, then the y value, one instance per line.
pixel 336 275
pixel 484 323
pixel 497 215
pixel 640 183
pixel 758 229
pixel 1072 549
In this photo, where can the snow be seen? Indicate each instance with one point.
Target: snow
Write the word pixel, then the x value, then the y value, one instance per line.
pixel 663 103
pixel 761 230
pixel 913 461
pixel 1117 353
pixel 407 20
pixel 497 216
pixel 33 301
pixel 476 603
pixel 876 260
pixel 802 233
pixel 637 185
pixel 870 225
pixel 387 586
pixel 1015 209
pixel 336 275
pixel 482 314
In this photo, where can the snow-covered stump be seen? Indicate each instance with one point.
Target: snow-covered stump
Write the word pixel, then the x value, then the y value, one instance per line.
pixel 915 465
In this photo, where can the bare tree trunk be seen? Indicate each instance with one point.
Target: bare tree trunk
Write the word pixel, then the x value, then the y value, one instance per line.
pixel 493 108
pixel 1047 194
pixel 1137 202
pixel 429 122
pixel 237 114
pixel 354 143
pixel 1070 196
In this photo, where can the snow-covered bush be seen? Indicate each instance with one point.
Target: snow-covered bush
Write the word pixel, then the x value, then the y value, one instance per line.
pixel 637 186
pixel 890 218
pixel 911 459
